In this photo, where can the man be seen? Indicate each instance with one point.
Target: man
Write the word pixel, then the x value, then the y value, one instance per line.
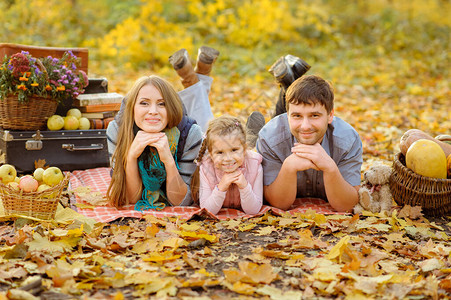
pixel 307 152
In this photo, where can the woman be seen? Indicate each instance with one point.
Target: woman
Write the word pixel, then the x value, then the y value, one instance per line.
pixel 147 171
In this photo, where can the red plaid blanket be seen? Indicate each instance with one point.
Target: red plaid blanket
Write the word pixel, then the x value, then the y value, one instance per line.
pixel 98 180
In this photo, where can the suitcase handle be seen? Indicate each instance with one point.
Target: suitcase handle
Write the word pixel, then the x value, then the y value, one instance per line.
pixel 72 147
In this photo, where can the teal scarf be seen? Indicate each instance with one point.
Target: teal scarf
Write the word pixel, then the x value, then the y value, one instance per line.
pixel 153 174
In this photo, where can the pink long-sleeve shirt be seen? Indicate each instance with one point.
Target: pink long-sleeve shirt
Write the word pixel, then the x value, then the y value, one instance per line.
pixel 248 199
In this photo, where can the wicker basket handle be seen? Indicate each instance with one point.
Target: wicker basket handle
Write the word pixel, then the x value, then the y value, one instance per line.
pixel 42 68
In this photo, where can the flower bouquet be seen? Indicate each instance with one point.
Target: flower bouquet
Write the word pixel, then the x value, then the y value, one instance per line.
pixel 31 88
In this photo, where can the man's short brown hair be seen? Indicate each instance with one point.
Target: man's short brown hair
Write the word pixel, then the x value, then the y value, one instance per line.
pixel 310 90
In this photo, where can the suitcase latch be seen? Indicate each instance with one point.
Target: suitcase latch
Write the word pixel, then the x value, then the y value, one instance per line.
pixel 36 143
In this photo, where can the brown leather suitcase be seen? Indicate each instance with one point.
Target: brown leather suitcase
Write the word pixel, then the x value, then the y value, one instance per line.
pixel 67 149
pixel 38 52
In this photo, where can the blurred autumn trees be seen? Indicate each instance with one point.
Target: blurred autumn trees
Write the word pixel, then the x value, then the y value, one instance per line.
pixel 138 33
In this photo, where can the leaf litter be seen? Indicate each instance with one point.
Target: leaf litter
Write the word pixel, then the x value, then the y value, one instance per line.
pixel 300 256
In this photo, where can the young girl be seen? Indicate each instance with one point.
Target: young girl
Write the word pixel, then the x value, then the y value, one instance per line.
pixel 229 175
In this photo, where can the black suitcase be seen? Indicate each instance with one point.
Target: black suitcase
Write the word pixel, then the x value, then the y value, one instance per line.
pixel 67 149
pixel 97 85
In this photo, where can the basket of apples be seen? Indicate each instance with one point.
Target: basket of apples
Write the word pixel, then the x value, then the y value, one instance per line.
pixel 34 195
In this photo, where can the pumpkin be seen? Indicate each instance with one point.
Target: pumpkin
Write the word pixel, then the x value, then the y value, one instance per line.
pixel 426 158
pixel 413 135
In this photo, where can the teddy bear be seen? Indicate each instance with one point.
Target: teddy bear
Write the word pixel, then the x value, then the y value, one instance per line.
pixel 374 192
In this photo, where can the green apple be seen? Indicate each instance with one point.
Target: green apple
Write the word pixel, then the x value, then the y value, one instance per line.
pixel 55 122
pixel 71 123
pixel 74 112
pixel 84 123
pixel 52 176
pixel 43 187
pixel 37 174
pixel 7 173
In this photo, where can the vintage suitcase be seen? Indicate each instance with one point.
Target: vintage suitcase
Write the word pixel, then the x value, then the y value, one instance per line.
pixel 38 52
pixel 96 85
pixel 67 149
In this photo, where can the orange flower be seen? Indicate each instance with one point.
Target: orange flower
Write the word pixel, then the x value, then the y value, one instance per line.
pixel 22 87
pixel 23 78
pixel 48 88
pixel 61 88
pixel 35 84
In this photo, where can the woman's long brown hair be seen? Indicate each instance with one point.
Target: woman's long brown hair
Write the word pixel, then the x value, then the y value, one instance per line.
pixel 116 193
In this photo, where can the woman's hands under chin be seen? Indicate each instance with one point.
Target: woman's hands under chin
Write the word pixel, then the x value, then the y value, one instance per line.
pixel 161 143
pixel 141 141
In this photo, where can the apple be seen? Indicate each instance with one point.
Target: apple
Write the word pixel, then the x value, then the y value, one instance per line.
pixel 37 174
pixel 71 123
pixel 74 112
pixel 28 184
pixel 52 176
pixel 84 123
pixel 55 122
pixel 7 173
pixel 43 187
pixel 14 185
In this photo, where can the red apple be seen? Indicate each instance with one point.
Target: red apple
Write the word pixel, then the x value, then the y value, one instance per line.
pixel 28 184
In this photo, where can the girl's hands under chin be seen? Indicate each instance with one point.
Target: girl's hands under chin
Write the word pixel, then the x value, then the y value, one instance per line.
pixel 227 179
pixel 241 181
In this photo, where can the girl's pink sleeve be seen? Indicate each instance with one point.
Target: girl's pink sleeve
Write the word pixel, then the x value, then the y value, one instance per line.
pixel 252 196
pixel 208 198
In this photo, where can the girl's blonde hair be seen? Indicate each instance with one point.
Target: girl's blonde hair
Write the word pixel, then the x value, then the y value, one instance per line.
pixel 218 127
pixel 116 191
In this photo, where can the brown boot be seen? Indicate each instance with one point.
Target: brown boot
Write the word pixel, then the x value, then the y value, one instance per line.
pixel 182 65
pixel 205 59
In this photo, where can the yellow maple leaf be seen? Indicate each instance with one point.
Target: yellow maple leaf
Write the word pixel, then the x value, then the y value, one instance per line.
pixel 233 275
pixel 159 257
pixel 266 230
pixel 240 288
pixel 338 249
pixel 255 273
pixel 231 224
pixel 193 226
pixel 191 234
pixel 247 227
pixel 42 243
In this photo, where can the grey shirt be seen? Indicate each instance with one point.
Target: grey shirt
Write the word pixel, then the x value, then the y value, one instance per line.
pixel 341 142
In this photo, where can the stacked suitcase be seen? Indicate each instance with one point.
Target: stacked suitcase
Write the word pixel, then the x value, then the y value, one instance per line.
pixel 67 149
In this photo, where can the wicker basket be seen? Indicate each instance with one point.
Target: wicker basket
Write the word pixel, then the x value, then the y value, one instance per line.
pixel 32 115
pixel 407 187
pixel 40 205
